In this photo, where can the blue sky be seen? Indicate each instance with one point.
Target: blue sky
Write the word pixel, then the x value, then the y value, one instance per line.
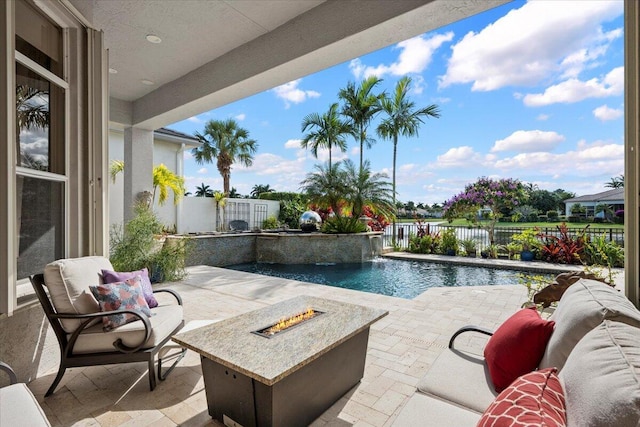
pixel 528 90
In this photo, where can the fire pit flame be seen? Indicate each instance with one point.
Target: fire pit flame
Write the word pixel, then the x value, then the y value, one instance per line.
pixel 288 322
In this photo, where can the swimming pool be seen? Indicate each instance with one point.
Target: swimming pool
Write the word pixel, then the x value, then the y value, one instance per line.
pixel 398 278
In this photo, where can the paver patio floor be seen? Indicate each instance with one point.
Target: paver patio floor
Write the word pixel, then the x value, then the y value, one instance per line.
pixel 402 346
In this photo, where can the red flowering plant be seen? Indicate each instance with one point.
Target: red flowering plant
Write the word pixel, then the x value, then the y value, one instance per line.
pixel 499 196
pixel 378 221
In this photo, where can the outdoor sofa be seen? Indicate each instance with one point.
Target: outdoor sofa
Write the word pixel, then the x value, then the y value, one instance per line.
pixel 594 347
pixel 18 406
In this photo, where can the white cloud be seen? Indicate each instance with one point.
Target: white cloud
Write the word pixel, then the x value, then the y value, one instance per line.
pixel 292 143
pixel 415 56
pixel 240 117
pixel 574 90
pixel 287 173
pixel 202 171
pixel 599 157
pixel 529 44
pixel 527 141
pixel 290 93
pixel 195 119
pixel 542 117
pixel 605 113
pixel 456 157
pixel 186 155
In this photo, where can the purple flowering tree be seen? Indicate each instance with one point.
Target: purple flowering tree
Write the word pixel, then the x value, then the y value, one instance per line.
pixel 499 196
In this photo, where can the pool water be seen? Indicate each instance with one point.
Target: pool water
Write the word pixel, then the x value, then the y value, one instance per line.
pixel 398 278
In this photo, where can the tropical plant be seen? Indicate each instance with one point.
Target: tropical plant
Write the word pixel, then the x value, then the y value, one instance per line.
pixel 163 180
pixel 270 223
pixel 226 143
pixel 562 247
pixel 32 112
pixel 428 243
pixel 402 118
pixel 615 182
pixel 259 189
pixel 233 194
pixel 495 195
pixel 577 209
pixel 203 190
pixel 449 244
pixel 325 187
pixel 469 246
pixel 599 250
pixel 364 189
pixel 221 202
pixel 134 246
pixel 528 239
pixel 606 210
pixel 343 224
pixel 534 284
pixel 326 131
pixel 361 105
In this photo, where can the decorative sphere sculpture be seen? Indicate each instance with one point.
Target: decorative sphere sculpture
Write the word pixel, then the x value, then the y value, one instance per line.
pixel 310 221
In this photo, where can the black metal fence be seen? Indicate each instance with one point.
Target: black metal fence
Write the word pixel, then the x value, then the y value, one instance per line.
pixel 502 235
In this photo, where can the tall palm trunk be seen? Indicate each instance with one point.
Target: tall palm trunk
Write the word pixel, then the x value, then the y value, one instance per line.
pixel 393 187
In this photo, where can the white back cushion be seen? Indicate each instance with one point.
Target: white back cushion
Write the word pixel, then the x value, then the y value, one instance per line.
pixel 584 305
pixel 68 282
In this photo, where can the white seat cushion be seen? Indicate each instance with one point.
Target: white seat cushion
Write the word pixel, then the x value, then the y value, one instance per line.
pixel 164 321
pixel 601 378
pixel 68 282
pixel 584 305
pixel 19 407
pixel 460 377
pixel 426 411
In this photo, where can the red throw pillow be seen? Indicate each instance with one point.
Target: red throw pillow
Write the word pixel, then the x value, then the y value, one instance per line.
pixel 517 347
pixel 534 399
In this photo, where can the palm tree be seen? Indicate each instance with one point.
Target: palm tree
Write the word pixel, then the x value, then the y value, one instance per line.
pixel 258 189
pixel 233 194
pixel 221 202
pixel 402 119
pixel 366 189
pixel 616 182
pixel 203 190
pixel 227 143
pixel 360 106
pixel 165 180
pixel 328 131
pixel 607 211
pixel 325 187
pixel 32 112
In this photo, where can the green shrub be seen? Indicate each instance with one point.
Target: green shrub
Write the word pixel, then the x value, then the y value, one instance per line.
pixel 542 218
pixel 427 244
pixel 449 241
pixel 137 245
pixel 532 217
pixel 343 224
pixel 573 218
pixel 270 223
pixel 552 215
pixel 601 251
pixel 290 211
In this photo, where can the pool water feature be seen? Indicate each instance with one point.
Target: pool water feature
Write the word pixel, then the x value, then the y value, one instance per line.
pixel 397 278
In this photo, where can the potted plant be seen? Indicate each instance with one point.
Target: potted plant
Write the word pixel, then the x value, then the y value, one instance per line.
pixel 469 246
pixel 490 251
pixel 449 243
pixel 528 239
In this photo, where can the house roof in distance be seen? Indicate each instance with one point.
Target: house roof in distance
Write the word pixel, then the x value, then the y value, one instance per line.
pixel 615 195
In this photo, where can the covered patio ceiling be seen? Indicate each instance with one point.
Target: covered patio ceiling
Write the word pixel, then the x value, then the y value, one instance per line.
pixel 213 52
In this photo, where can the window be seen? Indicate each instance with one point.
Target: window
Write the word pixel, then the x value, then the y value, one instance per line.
pixel 41 180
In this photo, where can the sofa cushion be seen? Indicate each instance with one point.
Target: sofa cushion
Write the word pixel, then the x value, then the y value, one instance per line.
pixel 534 399
pixel 68 281
pixel 601 377
pixel 120 276
pixel 426 411
pixel 517 346
pixel 18 407
pixel 461 378
pixel 120 296
pixel 584 305
pixel 164 320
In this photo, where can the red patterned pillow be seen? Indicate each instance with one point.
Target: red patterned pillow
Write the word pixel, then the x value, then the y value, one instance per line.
pixel 534 399
pixel 517 347
pixel 120 296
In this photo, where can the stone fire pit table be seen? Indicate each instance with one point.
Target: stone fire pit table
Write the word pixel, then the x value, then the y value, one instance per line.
pixel 290 378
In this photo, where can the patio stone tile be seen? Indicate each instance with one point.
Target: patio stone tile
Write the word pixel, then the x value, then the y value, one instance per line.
pixel 361 412
pixel 111 418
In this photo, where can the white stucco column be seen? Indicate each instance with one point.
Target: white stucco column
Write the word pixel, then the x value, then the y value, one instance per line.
pixel 179 172
pixel 138 166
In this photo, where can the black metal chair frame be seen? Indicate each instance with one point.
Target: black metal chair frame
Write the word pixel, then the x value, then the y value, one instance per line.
pixel 122 353
pixel 470 328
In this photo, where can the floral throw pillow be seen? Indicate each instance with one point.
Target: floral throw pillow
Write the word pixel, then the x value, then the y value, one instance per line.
pixel 120 296
pixel 118 276
pixel 534 399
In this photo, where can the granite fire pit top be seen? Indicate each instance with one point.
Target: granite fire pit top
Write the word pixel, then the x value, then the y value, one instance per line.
pixel 231 342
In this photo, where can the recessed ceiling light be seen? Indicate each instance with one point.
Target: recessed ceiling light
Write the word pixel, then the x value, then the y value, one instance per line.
pixel 152 38
pixel 147 82
pixel 113 71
